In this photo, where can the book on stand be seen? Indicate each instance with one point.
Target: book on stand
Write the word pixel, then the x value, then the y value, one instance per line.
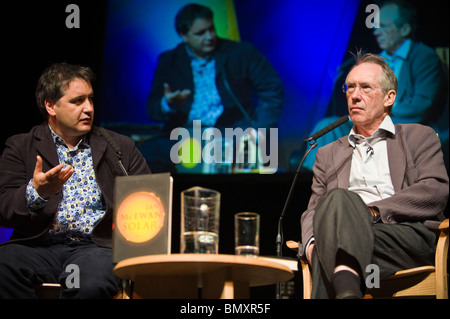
pixel 142 220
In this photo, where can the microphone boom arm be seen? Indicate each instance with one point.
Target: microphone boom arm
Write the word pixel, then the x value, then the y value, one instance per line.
pixel 279 239
pixel 313 143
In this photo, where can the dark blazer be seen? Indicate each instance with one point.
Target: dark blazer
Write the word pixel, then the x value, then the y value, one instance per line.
pixel 17 167
pixel 246 71
pixel 417 170
pixel 422 87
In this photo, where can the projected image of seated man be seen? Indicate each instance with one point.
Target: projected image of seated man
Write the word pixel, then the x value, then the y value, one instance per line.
pixel 209 79
pixel 422 95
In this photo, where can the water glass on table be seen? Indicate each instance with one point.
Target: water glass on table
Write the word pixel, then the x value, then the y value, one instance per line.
pixel 200 214
pixel 246 230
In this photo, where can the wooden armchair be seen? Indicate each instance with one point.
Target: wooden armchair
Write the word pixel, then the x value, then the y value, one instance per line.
pixel 422 281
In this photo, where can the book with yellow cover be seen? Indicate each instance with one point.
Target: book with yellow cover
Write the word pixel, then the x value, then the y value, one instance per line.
pixel 142 222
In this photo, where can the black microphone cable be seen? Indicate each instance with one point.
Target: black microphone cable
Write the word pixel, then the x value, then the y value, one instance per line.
pixel 313 145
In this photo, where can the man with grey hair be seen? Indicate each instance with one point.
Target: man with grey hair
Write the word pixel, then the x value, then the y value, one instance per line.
pixel 422 95
pixel 377 193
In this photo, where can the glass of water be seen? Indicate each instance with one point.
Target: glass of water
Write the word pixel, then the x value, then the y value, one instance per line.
pixel 246 231
pixel 200 214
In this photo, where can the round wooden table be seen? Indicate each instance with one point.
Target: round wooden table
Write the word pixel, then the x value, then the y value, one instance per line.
pixel 199 275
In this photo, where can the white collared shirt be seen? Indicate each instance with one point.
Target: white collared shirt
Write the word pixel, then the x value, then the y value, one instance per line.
pixel 370 176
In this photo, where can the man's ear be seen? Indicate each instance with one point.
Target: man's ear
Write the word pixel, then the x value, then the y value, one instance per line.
pixel 50 107
pixel 405 30
pixel 390 97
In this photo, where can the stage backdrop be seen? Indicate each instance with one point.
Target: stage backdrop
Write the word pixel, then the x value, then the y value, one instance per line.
pixel 304 40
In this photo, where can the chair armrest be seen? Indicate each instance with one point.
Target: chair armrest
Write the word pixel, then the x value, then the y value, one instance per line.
pixel 441 262
pixel 307 280
pixel 306 273
pixel 444 225
pixel 292 245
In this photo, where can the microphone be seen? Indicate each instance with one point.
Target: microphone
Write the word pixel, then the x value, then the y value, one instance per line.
pixel 115 147
pixel 328 128
pixel 313 138
pixel 221 71
pixel 223 75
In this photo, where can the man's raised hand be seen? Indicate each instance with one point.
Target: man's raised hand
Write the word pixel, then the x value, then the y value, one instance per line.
pixel 176 98
pixel 51 182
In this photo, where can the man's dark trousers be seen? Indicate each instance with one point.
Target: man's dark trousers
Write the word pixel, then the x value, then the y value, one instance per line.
pixel 342 221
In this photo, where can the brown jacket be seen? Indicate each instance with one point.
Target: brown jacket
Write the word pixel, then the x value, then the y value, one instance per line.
pixel 418 175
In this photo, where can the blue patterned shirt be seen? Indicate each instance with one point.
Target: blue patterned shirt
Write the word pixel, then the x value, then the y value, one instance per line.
pixel 207 105
pixel 82 204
